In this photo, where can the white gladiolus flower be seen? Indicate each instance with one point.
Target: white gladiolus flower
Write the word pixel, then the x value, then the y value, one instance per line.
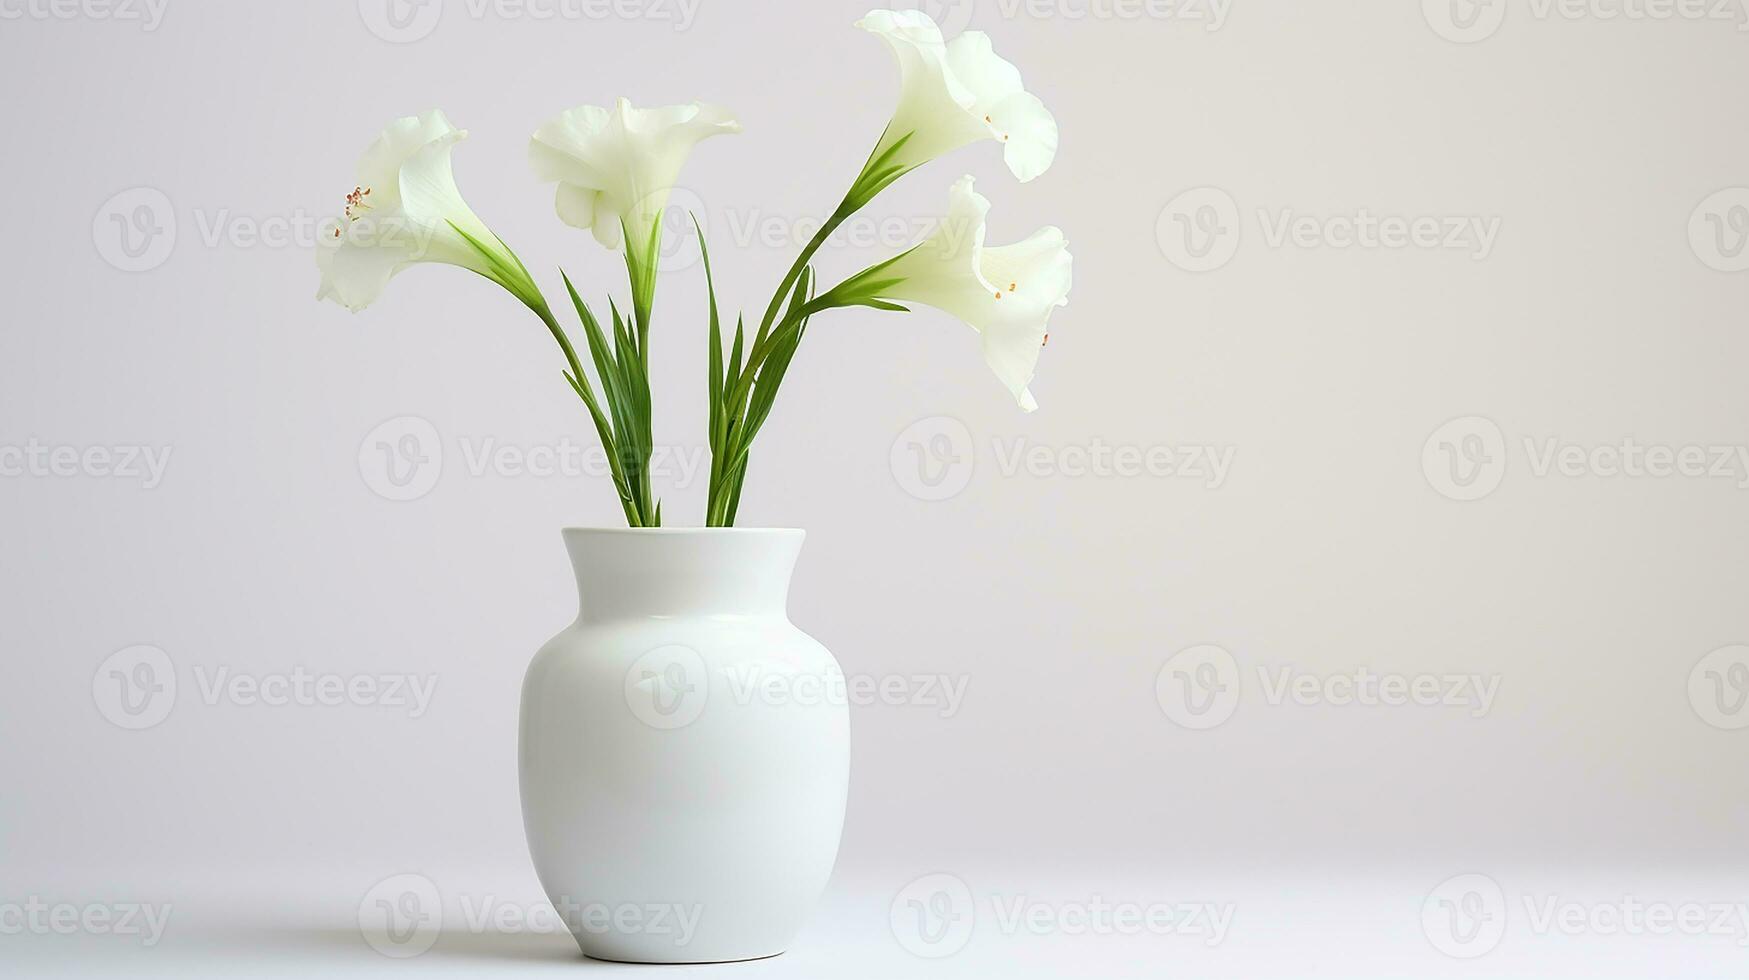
pixel 615 167
pixel 1006 293
pixel 959 92
pixel 406 210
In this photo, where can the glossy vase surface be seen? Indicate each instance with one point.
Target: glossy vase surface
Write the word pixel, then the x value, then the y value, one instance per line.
pixel 684 749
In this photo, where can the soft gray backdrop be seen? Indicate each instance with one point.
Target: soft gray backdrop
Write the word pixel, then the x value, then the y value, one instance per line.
pixel 1517 224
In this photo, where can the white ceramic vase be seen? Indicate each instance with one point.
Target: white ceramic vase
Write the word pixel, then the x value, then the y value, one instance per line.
pixel 685 749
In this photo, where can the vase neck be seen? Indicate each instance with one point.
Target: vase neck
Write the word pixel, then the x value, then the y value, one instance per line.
pixel 640 573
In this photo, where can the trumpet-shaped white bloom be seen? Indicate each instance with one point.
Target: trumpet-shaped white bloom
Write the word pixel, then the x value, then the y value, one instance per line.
pixel 1006 293
pixel 959 92
pixel 405 210
pixel 615 167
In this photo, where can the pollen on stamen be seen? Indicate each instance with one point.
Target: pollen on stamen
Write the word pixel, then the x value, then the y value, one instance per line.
pixel 1047 341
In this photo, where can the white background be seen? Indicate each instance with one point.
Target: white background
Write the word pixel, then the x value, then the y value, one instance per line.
pixel 1607 306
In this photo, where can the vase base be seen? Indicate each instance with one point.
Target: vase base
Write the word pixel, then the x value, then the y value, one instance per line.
pixel 683 962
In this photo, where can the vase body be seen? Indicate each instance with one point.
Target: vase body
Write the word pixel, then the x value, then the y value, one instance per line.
pixel 685 749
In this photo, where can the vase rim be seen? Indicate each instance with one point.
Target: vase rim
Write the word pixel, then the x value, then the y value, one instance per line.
pixel 681 531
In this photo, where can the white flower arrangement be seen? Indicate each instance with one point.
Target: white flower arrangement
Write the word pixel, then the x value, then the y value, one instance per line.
pixel 614 169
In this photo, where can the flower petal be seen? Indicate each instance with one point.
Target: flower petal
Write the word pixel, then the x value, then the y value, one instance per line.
pixel 355 269
pixel 380 167
pixel 1029 135
pixel 629 158
pixel 576 205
